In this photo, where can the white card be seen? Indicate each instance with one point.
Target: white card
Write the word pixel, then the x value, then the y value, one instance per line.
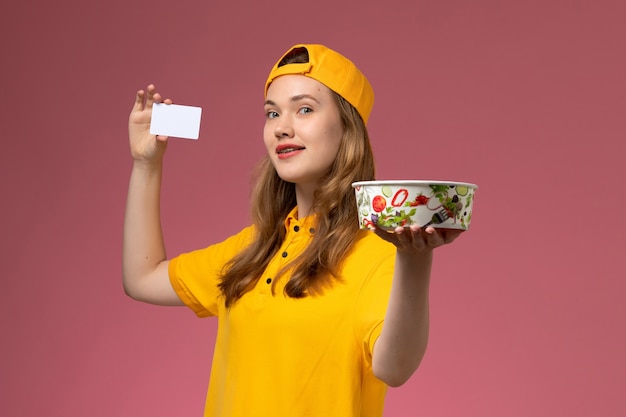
pixel 175 120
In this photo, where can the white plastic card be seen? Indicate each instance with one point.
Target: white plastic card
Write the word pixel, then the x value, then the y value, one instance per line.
pixel 176 120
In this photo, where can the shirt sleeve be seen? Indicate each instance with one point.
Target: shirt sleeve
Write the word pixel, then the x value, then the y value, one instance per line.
pixel 195 275
pixel 373 296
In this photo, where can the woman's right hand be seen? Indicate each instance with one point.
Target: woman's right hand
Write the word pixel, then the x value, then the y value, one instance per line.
pixel 144 146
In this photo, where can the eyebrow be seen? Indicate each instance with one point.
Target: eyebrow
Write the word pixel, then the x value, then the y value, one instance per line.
pixel 294 99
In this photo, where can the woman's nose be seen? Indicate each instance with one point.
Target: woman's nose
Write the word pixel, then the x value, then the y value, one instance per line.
pixel 283 130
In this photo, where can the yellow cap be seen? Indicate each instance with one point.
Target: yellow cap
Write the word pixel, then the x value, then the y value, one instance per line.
pixel 334 71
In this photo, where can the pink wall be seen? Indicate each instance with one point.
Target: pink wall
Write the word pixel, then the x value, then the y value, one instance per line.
pixel 526 99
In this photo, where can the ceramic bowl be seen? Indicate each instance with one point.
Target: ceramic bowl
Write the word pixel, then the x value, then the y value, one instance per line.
pixel 390 204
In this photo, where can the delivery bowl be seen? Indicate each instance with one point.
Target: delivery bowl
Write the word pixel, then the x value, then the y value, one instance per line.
pixel 389 204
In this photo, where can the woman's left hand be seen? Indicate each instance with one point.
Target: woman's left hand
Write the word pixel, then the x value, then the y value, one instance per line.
pixel 418 240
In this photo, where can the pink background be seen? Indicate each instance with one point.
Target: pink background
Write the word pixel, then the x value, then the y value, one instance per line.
pixel 526 99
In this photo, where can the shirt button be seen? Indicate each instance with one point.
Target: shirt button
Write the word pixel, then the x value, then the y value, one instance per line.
pixel 284 254
pixel 311 230
pixel 296 228
pixel 269 280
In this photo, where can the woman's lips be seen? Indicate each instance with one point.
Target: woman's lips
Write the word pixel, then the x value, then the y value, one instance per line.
pixel 288 150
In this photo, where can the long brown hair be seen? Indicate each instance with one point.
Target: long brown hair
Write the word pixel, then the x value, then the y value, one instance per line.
pixel 334 204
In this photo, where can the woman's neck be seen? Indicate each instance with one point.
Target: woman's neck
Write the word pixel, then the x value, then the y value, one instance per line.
pixel 304 199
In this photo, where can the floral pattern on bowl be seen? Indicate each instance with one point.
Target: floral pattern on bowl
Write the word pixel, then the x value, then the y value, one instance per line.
pixel 390 204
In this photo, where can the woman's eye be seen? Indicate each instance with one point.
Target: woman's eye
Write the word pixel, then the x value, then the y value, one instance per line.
pixel 305 110
pixel 271 114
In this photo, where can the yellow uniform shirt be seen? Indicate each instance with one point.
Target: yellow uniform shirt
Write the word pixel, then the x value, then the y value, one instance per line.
pixel 279 356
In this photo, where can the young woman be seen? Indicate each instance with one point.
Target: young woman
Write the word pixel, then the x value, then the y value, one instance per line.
pixel 315 317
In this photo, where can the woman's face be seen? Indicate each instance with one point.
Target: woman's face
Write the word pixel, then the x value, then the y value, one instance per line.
pixel 303 129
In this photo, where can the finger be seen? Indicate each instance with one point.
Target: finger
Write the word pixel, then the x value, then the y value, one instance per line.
pixel 151 95
pixel 404 236
pixel 162 138
pixel 139 99
pixel 168 101
pixel 433 238
pixel 385 235
pixel 418 237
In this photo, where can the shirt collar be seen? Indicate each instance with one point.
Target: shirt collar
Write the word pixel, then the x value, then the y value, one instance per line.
pixel 308 223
